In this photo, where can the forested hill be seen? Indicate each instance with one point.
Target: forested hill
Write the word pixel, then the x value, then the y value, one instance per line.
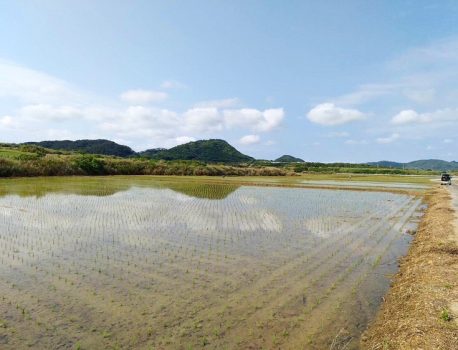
pixel 105 147
pixel 214 150
pixel 288 159
pixel 424 164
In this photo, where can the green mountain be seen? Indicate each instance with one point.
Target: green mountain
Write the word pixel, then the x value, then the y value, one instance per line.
pixel 101 146
pixel 424 164
pixel 387 164
pixel 433 164
pixel 213 151
pixel 288 159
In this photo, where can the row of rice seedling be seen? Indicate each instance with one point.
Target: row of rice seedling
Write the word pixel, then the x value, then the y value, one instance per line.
pixel 183 269
pixel 301 286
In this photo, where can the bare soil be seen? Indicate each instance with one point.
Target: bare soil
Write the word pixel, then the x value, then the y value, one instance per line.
pixel 419 311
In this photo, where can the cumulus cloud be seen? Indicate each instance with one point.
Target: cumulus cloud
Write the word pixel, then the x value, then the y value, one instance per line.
pixel 45 112
pixel 140 96
pixel 254 119
pixel 385 140
pixel 407 117
pixel 203 120
pixel 412 117
pixel 39 106
pixel 422 77
pixel 328 114
pixel 249 140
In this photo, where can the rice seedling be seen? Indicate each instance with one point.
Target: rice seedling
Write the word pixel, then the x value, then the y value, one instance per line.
pixel 221 266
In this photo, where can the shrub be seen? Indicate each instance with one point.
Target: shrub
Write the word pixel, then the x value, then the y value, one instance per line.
pixel 90 165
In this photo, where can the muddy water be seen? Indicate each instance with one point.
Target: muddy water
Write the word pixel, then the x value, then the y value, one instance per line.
pixel 140 263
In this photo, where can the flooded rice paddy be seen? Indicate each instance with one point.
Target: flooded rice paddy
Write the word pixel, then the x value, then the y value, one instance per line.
pixel 145 263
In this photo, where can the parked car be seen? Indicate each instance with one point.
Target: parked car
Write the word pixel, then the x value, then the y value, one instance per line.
pixel 446 179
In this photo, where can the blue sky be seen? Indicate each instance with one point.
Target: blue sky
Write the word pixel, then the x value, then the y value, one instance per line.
pixel 323 80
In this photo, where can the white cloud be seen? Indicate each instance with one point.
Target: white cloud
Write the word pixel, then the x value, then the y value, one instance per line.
pixel 34 87
pixel 59 134
pixel 328 114
pixel 422 77
pixel 184 139
pixel 37 106
pixel 436 117
pixel 406 117
pixel 140 96
pixel 45 112
pixel 225 103
pixel 7 121
pixel 203 120
pixel 249 139
pixel 262 121
pixel 385 140
pixel 447 141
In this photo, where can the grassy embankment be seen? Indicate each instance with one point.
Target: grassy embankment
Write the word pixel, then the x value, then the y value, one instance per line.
pixel 416 313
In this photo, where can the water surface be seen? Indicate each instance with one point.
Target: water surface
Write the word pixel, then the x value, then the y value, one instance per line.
pixel 141 263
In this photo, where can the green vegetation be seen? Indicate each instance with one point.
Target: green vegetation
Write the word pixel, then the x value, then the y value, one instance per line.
pixel 445 315
pixel 151 153
pixel 32 160
pixel 424 164
pixel 288 159
pixel 205 157
pixel 216 151
pixel 349 168
pixel 105 147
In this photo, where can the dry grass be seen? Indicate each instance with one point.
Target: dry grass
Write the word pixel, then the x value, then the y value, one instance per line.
pixel 425 286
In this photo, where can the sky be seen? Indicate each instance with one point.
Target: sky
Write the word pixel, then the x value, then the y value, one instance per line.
pixel 353 81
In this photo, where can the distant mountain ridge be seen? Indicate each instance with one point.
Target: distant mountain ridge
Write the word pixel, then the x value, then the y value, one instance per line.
pixel 212 151
pixel 423 164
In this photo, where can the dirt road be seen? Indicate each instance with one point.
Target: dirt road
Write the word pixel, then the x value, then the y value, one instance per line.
pixel 454 192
